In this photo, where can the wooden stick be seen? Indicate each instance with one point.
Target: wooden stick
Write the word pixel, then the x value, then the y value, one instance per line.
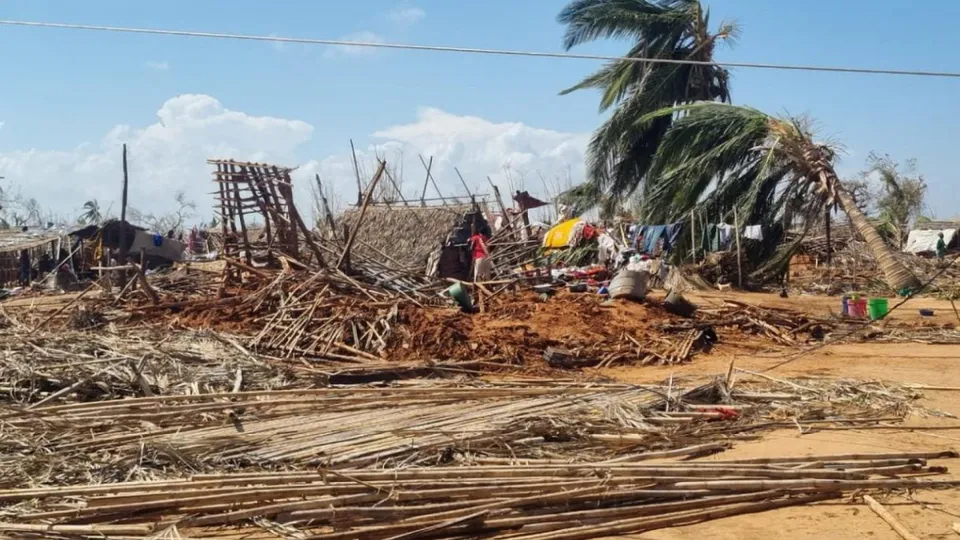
pixel 363 210
pixel 73 386
pixel 96 530
pixel 426 531
pixel 736 230
pixel 146 286
pixel 888 517
pixel 845 457
pixel 252 270
pixel 633 526
pixel 61 310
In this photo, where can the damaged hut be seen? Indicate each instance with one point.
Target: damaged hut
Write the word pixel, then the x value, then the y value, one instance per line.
pixel 428 239
pixel 41 244
pixel 115 235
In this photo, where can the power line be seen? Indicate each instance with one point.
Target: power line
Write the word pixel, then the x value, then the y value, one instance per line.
pixel 470 50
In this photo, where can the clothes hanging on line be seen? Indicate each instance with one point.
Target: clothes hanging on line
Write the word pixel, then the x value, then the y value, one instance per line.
pixel 651 236
pixel 726 233
pixel 753 232
pixel 721 237
pixel 672 235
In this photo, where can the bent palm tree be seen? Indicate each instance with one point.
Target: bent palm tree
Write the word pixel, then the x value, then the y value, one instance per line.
pixel 717 156
pixel 91 213
pixel 621 149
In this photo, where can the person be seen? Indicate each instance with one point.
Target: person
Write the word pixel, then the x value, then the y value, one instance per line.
pixel 65 278
pixel 45 265
pixel 941 247
pixel 24 268
pixel 481 255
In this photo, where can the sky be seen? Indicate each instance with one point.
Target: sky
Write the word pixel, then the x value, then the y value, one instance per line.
pixel 71 98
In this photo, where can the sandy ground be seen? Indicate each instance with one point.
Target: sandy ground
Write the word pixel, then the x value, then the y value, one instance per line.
pixel 928 514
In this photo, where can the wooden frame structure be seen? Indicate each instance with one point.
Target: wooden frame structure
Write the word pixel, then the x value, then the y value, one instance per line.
pixel 249 192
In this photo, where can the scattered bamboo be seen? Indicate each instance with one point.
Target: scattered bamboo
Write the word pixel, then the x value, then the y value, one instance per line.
pixel 888 517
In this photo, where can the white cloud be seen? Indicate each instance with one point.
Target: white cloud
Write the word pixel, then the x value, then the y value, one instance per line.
pixel 512 154
pixel 155 65
pixel 406 15
pixel 352 50
pixel 170 155
pixel 164 157
pixel 2 124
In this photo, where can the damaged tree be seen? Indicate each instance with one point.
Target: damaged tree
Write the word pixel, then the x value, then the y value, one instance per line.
pixel 717 157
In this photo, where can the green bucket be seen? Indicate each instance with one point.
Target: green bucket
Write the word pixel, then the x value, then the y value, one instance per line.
pixel 460 294
pixel 877 308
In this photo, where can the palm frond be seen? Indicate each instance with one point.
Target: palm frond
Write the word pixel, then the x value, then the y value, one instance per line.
pixel 589 20
pixel 622 149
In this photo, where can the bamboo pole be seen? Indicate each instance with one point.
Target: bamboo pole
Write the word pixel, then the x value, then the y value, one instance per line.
pixel 356 170
pixel 65 307
pixel 736 230
pixel 363 210
pixel 889 518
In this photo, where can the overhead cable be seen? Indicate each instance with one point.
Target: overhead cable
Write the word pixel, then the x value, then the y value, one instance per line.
pixel 484 51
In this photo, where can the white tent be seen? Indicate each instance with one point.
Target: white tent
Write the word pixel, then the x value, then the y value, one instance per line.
pixel 925 241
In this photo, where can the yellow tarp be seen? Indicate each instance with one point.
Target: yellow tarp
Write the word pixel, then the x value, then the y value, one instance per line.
pixel 559 235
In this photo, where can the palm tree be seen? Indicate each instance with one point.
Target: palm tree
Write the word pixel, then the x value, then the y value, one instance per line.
pixel 717 156
pixel 91 212
pixel 621 149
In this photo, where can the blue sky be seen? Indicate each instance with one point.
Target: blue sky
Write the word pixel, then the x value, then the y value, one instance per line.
pixel 66 92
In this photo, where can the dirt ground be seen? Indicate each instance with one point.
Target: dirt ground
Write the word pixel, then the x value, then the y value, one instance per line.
pixel 927 514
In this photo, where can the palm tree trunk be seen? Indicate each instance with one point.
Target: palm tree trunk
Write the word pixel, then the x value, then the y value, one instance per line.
pixel 897 276
pixel 826 228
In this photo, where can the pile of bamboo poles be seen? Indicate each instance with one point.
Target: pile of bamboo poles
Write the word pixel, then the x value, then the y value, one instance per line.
pixel 420 423
pixel 516 501
pixel 134 361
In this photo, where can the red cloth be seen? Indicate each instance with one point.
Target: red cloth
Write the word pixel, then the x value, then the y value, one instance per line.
pixel 477 243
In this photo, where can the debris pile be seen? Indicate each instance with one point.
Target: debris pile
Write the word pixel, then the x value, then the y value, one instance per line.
pixel 517 459
pixel 853 268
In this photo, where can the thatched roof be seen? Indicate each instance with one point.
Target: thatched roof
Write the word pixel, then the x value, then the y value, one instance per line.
pixel 15 239
pixel 938 225
pixel 405 234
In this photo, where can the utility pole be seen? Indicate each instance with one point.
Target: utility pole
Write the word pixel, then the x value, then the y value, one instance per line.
pixel 123 215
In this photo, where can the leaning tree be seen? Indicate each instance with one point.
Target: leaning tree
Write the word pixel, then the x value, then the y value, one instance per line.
pixel 622 149
pixel 719 156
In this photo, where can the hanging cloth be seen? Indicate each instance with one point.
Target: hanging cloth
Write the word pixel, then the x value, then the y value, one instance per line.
pixel 726 236
pixel 753 232
pixel 652 236
pixel 672 235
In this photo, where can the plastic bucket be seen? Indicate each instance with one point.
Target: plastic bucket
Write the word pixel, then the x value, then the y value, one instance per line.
pixel 877 307
pixel 857 308
pixel 461 296
pixel 629 284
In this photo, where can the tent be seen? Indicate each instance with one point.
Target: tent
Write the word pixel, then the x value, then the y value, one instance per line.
pixel 925 241
pixel 559 235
